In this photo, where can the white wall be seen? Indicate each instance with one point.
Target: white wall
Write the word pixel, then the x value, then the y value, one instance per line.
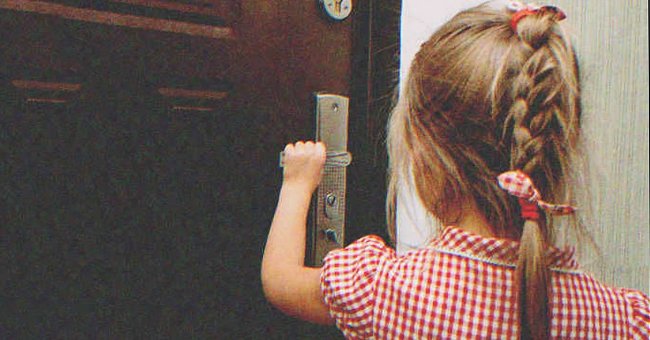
pixel 420 18
pixel 612 43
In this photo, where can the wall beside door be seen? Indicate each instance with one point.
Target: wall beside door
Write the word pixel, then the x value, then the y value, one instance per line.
pixel 612 42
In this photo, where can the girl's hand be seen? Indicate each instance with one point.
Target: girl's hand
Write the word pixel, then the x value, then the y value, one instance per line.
pixel 303 165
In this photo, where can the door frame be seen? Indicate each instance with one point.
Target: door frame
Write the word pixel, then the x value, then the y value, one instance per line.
pixel 375 80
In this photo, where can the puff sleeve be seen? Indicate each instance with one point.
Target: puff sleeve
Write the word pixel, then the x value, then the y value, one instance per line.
pixel 640 317
pixel 348 280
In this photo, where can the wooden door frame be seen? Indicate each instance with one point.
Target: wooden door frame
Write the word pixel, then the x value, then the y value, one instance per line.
pixel 375 79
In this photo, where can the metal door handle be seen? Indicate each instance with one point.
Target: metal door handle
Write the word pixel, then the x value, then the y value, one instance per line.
pixel 333 158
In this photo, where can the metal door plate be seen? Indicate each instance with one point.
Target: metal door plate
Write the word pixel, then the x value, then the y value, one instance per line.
pixel 328 227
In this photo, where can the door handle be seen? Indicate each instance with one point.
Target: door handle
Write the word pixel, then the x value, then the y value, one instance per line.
pixel 335 159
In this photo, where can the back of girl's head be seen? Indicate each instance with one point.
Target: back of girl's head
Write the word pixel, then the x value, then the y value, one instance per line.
pixel 483 98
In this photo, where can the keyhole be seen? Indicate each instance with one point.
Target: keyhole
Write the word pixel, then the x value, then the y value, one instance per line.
pixel 332 235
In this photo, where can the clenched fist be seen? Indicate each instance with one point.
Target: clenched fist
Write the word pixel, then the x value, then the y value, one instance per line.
pixel 303 164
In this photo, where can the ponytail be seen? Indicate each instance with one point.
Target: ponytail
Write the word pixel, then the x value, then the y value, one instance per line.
pixel 533 283
pixel 532 275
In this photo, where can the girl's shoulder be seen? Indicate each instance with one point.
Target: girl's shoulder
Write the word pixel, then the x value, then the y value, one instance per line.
pixel 368 249
pixel 639 305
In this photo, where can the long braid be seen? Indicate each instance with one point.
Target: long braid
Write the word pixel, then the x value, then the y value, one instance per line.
pixel 538 119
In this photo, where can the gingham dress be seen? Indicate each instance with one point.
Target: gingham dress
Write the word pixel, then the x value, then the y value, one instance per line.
pixel 462 287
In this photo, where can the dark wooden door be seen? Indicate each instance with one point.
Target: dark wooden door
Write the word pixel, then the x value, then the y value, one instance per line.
pixel 139 144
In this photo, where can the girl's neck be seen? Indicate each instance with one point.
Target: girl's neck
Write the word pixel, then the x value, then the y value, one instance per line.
pixel 474 221
pixel 476 224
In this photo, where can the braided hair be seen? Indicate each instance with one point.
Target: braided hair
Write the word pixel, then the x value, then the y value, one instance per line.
pixel 481 99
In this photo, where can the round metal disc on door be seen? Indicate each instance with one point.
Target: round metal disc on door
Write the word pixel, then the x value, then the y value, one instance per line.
pixel 337 9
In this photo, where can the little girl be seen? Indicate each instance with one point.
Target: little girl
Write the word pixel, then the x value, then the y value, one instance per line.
pixel 487 129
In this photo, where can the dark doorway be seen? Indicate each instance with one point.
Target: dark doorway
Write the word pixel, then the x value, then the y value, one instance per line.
pixel 139 143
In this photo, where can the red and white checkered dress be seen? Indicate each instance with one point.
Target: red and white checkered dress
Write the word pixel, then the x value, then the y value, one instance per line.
pixel 462 287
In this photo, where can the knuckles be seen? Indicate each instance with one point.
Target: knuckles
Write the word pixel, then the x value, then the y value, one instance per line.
pixel 306 149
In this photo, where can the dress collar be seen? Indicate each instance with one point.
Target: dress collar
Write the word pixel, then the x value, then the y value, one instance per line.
pixel 496 250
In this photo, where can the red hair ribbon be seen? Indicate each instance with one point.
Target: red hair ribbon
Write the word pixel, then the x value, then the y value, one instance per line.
pixel 518 184
pixel 522 11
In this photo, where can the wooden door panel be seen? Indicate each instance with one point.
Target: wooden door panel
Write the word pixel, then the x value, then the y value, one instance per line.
pixel 148 17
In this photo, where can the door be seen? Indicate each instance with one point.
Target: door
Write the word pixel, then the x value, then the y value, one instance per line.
pixel 139 144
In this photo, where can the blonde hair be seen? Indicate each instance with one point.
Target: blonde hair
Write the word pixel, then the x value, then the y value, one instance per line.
pixel 482 99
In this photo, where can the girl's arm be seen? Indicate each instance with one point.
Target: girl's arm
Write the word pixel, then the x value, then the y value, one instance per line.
pixel 288 284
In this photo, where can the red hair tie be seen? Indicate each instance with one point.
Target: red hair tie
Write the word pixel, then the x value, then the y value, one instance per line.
pixel 518 184
pixel 522 11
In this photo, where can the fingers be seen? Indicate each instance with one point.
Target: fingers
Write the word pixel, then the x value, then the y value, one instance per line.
pixel 303 164
pixel 321 152
pixel 308 146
